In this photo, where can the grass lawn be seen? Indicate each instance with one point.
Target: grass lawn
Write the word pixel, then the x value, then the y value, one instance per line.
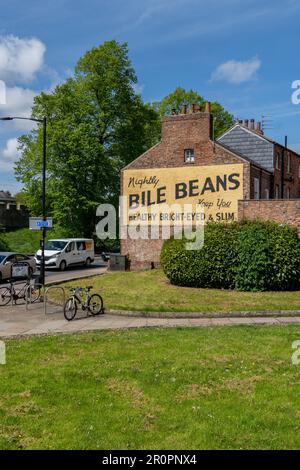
pixel 151 291
pixel 210 388
pixel 22 240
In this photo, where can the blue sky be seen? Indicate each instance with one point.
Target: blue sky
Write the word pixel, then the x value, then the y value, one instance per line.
pixel 243 54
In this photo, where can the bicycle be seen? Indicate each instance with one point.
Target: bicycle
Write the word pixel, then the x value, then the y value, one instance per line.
pixel 9 293
pixel 92 303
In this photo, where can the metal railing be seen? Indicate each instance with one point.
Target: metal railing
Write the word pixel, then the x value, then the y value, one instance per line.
pixel 61 289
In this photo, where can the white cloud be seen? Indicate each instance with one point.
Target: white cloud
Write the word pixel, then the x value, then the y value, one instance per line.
pixel 237 72
pixel 138 89
pixel 9 155
pixel 19 102
pixel 20 58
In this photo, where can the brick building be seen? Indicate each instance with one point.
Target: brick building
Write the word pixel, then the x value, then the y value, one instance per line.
pixel 268 171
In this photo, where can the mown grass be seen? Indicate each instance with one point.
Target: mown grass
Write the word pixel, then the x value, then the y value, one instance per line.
pixel 22 240
pixel 151 291
pixel 25 240
pixel 210 388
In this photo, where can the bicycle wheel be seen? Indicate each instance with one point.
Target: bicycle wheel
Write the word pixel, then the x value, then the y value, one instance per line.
pixel 5 296
pixel 95 304
pixel 34 294
pixel 70 309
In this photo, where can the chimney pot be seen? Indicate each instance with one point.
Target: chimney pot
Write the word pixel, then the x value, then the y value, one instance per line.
pixel 192 108
pixel 199 108
pixel 252 123
pixel 174 112
pixel 241 122
pixel 246 123
pixel 207 107
pixel 183 109
pixel 258 128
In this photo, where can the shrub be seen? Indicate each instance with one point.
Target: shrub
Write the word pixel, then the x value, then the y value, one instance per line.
pixel 249 255
pixel 212 266
pixel 3 243
pixel 269 257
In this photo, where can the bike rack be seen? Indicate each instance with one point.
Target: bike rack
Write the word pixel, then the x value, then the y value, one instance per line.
pixel 61 289
pixel 28 294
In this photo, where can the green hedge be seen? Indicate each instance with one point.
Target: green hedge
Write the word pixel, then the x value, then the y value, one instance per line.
pixel 250 256
pixel 3 244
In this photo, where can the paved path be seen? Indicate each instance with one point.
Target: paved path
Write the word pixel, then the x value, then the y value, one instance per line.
pixel 16 321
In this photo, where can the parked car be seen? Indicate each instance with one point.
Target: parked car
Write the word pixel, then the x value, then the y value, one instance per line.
pixel 7 259
pixel 105 256
pixel 67 252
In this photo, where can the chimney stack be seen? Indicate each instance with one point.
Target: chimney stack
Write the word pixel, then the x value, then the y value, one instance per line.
pixel 183 109
pixel 246 123
pixel 207 107
pixel 258 128
pixel 192 108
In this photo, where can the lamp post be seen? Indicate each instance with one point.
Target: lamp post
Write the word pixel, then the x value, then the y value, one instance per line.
pixel 44 123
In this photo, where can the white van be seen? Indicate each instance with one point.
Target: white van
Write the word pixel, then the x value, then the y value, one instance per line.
pixel 67 252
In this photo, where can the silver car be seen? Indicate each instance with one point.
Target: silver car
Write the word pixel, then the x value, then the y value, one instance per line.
pixel 7 259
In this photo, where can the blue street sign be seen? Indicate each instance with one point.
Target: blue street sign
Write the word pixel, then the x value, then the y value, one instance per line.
pixel 42 223
pixel 37 223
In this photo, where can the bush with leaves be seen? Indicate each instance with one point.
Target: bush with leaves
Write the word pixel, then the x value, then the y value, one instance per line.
pixel 249 256
pixel 212 266
pixel 269 257
pixel 3 244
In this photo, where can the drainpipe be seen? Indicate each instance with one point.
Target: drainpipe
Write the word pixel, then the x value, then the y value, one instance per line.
pixel 282 166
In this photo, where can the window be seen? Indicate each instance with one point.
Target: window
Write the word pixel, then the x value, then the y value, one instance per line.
pixel 267 193
pixel 70 247
pixel 21 258
pixel 289 163
pixel 256 188
pixel 277 161
pixel 277 191
pixel 80 246
pixel 189 156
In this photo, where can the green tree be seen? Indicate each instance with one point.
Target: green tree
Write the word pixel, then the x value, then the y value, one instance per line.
pixel 96 124
pixel 222 119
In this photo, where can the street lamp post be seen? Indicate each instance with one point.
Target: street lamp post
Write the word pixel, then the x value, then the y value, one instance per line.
pixel 44 123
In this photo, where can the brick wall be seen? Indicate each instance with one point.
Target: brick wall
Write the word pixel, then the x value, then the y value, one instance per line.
pixel 266 182
pixel 291 178
pixel 281 211
pixel 179 133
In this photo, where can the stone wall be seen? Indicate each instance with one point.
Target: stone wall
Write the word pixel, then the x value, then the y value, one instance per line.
pixel 13 216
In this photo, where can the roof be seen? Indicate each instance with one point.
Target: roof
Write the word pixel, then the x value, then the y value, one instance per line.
pixel 258 148
pixel 244 157
pixel 6 195
pixel 8 253
pixel 69 239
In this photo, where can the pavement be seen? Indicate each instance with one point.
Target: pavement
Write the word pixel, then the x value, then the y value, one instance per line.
pixel 16 321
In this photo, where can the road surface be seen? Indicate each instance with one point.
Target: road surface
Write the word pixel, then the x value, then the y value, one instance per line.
pixel 76 272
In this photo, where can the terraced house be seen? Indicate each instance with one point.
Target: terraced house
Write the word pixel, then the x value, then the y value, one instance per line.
pixel 243 174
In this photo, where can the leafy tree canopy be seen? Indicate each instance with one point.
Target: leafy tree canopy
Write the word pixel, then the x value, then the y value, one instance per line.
pixel 222 119
pixel 96 124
